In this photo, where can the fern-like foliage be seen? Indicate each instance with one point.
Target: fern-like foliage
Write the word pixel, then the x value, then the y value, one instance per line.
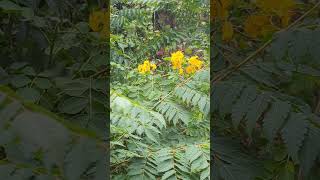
pixel 271 100
pixel 230 162
pixel 157 140
pixel 160 130
pixel 135 118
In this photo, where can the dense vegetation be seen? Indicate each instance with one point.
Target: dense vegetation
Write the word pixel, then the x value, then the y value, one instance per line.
pixel 160 89
pixel 53 94
pixel 265 89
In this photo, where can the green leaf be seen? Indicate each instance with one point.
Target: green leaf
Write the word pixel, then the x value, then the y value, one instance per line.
pixel 73 88
pixel 29 71
pixel 256 108
pixel 159 117
pixel 18 65
pixel 9 6
pixel 73 105
pixel 287 172
pixel 43 83
pixel 241 107
pixel 310 150
pixel 294 133
pixel 20 81
pixel 279 47
pixel 165 166
pixel 151 135
pixel 228 99
pixel 29 94
pixel 77 160
pixel 205 174
pixel 168 174
pixel 167 58
pixel 275 117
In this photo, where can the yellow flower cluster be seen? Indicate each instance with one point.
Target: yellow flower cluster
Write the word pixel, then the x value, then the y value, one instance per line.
pixel 194 65
pixel 280 8
pixel 146 67
pixel 181 71
pixel 258 25
pixel 177 60
pixel 98 22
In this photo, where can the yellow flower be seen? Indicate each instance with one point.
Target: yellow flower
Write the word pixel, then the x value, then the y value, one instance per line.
pixel 177 60
pixel 177 55
pixel 141 69
pixel 281 8
pixel 181 71
pixel 98 20
pixel 190 69
pixel 258 25
pixel 195 62
pixel 146 62
pixel 146 67
pixel 153 66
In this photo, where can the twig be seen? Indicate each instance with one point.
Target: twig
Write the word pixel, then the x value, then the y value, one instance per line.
pixel 100 72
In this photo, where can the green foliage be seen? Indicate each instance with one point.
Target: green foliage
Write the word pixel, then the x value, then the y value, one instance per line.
pixel 153 139
pixel 39 144
pixel 270 101
pixel 57 113
pixel 159 121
